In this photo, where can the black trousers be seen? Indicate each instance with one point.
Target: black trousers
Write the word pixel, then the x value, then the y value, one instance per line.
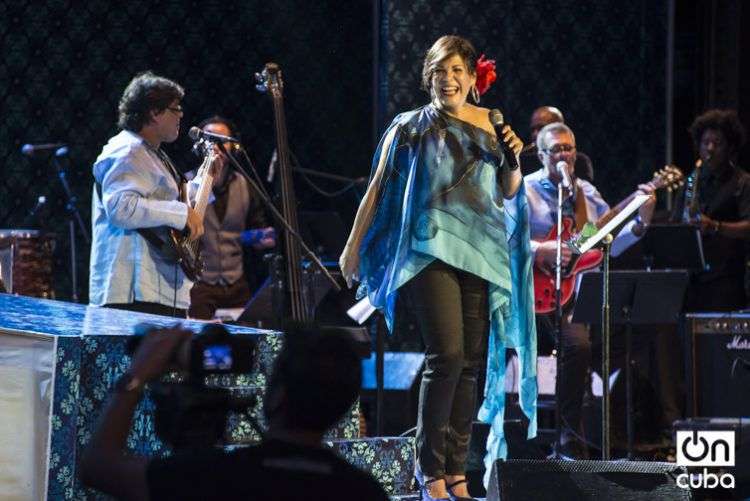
pixel 452 310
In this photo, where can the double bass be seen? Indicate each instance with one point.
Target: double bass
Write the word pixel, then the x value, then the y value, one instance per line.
pixel 297 297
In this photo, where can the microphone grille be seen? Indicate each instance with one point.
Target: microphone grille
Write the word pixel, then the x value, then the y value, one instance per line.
pixel 496 118
pixel 194 133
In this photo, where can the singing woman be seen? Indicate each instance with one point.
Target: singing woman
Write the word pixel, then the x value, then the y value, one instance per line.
pixel 444 221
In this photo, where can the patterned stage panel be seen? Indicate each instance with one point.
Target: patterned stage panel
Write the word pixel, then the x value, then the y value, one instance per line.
pixel 86 348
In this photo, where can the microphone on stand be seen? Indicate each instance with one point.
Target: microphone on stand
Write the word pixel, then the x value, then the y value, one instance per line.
pixel 31 216
pixel 562 169
pixel 498 122
pixel 60 149
pixel 197 133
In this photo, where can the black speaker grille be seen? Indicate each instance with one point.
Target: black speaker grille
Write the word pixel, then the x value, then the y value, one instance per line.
pixel 531 480
pixel 591 466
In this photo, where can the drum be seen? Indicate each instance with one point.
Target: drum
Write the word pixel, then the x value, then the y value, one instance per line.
pixel 26 262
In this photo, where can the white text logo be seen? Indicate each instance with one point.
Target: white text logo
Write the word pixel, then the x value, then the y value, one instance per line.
pixel 705 449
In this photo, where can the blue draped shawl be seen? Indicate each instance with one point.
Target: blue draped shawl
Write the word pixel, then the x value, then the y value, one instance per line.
pixel 440 198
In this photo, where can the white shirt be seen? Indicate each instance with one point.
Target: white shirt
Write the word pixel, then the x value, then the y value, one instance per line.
pixel 138 191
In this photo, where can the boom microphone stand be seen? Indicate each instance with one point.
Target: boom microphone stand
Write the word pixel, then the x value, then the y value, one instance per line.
pixel 280 218
pixel 73 216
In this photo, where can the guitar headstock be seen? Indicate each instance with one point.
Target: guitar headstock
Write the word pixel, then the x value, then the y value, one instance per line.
pixel 208 150
pixel 669 177
pixel 270 80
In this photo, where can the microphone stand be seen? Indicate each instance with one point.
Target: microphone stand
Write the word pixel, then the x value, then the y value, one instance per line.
pixel 73 216
pixel 606 369
pixel 558 316
pixel 280 218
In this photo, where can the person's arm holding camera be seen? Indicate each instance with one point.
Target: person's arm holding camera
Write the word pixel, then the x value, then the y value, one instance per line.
pixel 105 464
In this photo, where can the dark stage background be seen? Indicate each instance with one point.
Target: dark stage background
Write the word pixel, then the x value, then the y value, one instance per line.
pixel 66 64
pixel 602 62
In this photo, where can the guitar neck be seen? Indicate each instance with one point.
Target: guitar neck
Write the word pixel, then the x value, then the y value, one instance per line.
pixel 613 211
pixel 668 177
pixel 201 198
pixel 205 186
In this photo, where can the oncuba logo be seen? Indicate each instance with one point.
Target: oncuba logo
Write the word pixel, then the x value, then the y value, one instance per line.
pixel 705 449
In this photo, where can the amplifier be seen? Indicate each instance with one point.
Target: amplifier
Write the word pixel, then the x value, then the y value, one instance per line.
pixel 718 364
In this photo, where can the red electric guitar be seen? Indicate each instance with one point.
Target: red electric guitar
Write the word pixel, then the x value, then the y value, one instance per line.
pixel 669 177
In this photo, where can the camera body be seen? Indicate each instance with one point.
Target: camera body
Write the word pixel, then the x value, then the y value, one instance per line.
pixel 216 351
pixel 189 412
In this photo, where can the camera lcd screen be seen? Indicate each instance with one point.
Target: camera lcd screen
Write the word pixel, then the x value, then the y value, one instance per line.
pixel 217 357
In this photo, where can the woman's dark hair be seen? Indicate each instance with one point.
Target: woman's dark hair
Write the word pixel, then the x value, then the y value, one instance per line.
pixel 218 119
pixel 725 121
pixel 145 93
pixel 445 47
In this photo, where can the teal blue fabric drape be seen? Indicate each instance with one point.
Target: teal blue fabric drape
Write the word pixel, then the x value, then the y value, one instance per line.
pixel 440 198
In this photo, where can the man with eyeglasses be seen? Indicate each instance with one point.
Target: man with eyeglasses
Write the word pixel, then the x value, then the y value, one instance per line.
pixel 556 145
pixel 136 191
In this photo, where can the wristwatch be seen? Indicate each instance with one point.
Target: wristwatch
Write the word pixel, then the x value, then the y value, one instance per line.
pixel 127 383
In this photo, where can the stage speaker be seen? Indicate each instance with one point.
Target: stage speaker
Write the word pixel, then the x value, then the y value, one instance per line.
pixel 531 480
pixel 519 447
pixel 330 305
pixel 718 364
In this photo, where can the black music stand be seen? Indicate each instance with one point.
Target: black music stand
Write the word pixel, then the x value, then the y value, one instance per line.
pixel 673 246
pixel 636 298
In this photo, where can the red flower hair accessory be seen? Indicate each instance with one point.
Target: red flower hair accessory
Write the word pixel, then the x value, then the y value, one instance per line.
pixel 485 74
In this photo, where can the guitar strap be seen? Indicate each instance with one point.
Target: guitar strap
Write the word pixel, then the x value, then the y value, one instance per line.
pixel 581 214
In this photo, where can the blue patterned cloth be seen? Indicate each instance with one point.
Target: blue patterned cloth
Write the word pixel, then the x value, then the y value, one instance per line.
pixel 440 198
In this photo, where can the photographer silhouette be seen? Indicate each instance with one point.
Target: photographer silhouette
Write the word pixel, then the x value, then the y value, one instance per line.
pixel 316 379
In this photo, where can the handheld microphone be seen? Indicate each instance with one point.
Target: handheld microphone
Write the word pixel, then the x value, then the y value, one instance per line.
pixel 196 133
pixel 497 121
pixel 562 169
pixel 61 149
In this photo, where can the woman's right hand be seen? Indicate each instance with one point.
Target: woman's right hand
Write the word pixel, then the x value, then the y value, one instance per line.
pixel 349 264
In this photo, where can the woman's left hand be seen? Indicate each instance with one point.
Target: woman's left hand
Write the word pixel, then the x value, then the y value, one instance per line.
pixel 513 141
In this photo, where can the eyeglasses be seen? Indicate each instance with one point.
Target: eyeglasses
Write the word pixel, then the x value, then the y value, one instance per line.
pixel 559 148
pixel 178 110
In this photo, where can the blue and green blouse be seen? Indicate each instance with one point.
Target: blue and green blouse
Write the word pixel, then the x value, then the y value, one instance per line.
pixel 440 197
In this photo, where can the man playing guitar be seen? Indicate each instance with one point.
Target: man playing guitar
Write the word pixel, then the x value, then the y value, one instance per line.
pixel 137 188
pixel 557 147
